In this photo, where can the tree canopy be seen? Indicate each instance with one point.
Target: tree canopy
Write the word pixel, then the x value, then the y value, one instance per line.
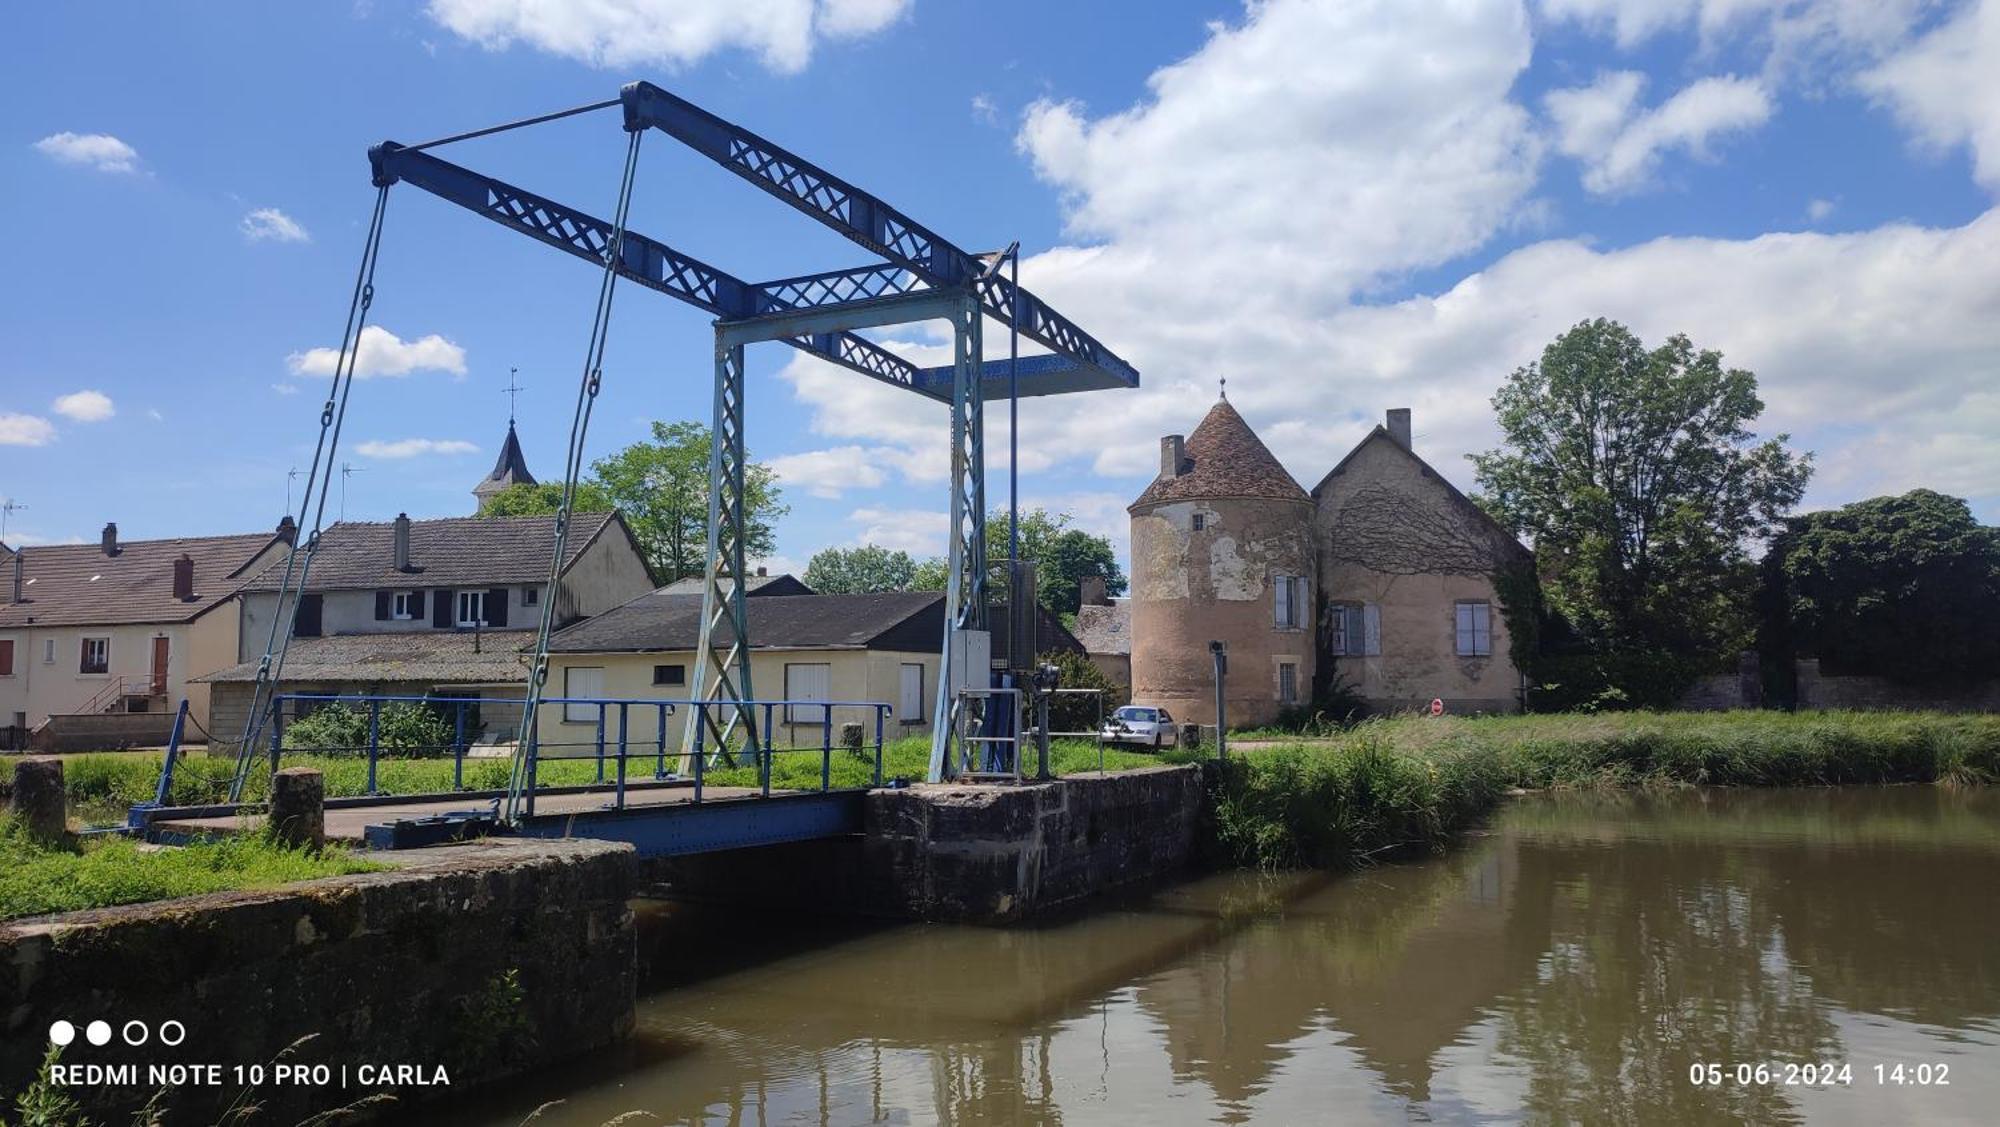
pixel 661 486
pixel 855 571
pixel 1904 587
pixel 1636 477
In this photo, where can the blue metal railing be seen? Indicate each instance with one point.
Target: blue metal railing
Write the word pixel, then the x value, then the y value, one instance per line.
pixel 610 747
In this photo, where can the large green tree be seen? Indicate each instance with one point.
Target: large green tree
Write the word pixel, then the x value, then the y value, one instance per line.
pixel 1637 478
pixel 854 571
pixel 662 488
pixel 1905 587
pixel 1063 556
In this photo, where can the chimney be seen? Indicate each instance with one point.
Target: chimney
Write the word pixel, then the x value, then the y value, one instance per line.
pixel 1093 592
pixel 110 541
pixel 19 586
pixel 288 531
pixel 1173 455
pixel 1399 426
pixel 402 541
pixel 761 572
pixel 184 578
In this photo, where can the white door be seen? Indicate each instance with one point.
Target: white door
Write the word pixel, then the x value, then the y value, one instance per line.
pixel 807 681
pixel 582 681
pixel 910 703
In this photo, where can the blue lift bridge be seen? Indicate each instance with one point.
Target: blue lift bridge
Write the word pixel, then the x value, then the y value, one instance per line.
pixel 912 274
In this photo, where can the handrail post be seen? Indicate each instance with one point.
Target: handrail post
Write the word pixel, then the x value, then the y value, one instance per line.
pixel 881 716
pixel 764 760
pixel 533 735
pixel 660 765
pixel 623 716
pixel 700 756
pixel 826 747
pixel 458 747
pixel 600 741
pixel 166 787
pixel 374 740
pixel 277 730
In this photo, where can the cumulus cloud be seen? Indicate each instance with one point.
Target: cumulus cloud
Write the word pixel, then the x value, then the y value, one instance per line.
pixel 414 447
pixel 25 430
pixel 1620 149
pixel 85 406
pixel 268 223
pixel 100 151
pixel 383 353
pixel 829 473
pixel 1946 87
pixel 621 33
pixel 1796 35
pixel 920 532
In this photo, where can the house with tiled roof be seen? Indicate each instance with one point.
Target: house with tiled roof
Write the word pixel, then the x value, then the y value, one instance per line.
pixel 420 607
pixel 1382 579
pixel 120 628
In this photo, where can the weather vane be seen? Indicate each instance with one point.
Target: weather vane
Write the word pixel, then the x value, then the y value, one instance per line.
pixel 512 389
pixel 1223 384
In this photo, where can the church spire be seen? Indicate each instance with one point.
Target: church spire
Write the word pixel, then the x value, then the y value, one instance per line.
pixel 511 468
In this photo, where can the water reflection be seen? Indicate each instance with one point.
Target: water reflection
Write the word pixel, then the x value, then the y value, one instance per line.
pixel 1567 967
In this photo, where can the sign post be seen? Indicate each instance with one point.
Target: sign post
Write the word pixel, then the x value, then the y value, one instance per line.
pixel 1220 651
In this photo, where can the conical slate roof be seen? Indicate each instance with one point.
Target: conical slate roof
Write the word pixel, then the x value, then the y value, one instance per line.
pixel 1225 458
pixel 510 469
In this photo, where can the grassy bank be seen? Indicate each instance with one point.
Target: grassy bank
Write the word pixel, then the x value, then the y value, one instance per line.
pixel 1412 784
pixel 36 877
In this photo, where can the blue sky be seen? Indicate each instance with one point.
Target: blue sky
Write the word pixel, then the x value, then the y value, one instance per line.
pixel 1342 207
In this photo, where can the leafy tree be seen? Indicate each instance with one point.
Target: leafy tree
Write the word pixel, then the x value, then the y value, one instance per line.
pixel 1905 587
pixel 1063 557
pixel 1077 712
pixel 851 571
pixel 545 497
pixel 1634 473
pixel 662 488
pixel 930 574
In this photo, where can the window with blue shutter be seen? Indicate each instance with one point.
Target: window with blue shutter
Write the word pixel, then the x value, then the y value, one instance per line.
pixel 1475 629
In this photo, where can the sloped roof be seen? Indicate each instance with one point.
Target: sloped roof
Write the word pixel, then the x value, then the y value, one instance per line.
pixel 78 585
pixel 447 552
pixel 1225 458
pixel 782 584
pixel 466 657
pixel 1501 535
pixel 1105 628
pixel 511 468
pixel 666 621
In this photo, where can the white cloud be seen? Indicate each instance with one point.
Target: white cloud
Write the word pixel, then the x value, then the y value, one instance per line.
pixel 1795 34
pixel 85 406
pixel 270 223
pixel 920 532
pixel 984 110
pixel 25 430
pixel 1619 149
pixel 100 151
pixel 154 414
pixel 383 353
pixel 623 33
pixel 414 447
pixel 829 473
pixel 1946 87
pixel 1819 210
pixel 285 388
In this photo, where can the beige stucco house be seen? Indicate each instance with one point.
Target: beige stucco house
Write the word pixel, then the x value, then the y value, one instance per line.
pixel 121 627
pixel 1380 579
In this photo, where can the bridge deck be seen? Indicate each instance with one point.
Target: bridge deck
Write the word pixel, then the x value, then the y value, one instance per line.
pixel 349 823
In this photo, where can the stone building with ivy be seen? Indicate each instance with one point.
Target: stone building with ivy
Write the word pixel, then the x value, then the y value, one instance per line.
pixel 1383 581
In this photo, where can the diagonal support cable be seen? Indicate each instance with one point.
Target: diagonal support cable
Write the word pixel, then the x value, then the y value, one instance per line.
pixel 521 778
pixel 332 415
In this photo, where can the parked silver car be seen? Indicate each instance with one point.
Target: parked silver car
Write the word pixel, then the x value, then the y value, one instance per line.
pixel 1141 724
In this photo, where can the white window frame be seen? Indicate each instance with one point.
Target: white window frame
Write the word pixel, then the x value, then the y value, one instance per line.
pixel 104 661
pixel 680 665
pixel 459 608
pixel 531 596
pixel 904 712
pixel 581 713
pixel 1472 628
pixel 399 606
pixel 808 715
pixel 48 651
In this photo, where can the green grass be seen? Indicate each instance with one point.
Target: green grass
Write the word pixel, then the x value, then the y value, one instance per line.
pixel 36 877
pixel 1413 783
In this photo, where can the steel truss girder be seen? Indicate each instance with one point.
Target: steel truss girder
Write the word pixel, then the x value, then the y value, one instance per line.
pixel 965 568
pixel 646 261
pixel 866 220
pixel 722 653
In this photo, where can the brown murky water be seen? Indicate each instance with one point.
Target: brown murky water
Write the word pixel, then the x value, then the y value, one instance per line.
pixel 1572 965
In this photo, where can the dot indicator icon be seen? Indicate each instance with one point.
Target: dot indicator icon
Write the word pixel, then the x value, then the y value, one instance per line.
pixel 99 1032
pixel 62 1033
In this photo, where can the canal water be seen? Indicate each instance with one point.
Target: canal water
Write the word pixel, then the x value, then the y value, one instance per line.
pixel 1586 960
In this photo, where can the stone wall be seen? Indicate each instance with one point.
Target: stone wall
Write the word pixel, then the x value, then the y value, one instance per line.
pixel 1720 692
pixel 974 854
pixel 403 967
pixel 99 731
pixel 1822 690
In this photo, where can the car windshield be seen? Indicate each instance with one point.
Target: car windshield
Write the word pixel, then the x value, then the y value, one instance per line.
pixel 1131 714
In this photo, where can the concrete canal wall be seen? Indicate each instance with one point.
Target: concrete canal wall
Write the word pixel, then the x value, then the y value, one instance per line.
pixel 974 854
pixel 482 959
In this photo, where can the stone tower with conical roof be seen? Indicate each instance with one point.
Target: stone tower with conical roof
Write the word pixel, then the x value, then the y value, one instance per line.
pixel 1222 551
pixel 510 469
